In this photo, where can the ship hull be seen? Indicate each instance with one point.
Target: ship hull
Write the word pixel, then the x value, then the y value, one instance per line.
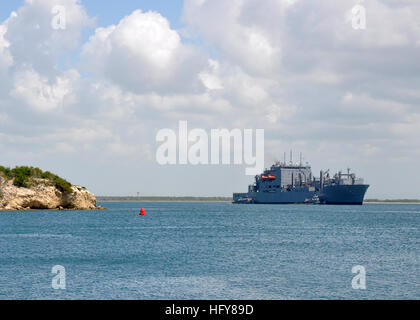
pixel 288 197
pixel 281 197
pixel 333 195
pixel 343 194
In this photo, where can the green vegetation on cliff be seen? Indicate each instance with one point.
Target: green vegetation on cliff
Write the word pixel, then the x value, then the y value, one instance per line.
pixel 27 177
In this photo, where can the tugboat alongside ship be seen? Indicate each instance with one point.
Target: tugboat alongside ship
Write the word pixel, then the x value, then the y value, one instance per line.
pixel 288 183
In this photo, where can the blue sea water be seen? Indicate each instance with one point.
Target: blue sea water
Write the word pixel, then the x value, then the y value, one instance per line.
pixel 212 251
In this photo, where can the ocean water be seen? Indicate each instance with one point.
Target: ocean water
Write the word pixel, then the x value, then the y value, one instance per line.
pixel 212 251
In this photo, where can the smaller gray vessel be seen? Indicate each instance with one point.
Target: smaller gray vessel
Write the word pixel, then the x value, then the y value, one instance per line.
pixel 294 183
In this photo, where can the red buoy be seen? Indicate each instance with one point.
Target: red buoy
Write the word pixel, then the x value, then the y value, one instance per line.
pixel 142 212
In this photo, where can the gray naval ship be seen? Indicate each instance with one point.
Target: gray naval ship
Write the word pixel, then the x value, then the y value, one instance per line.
pixel 286 183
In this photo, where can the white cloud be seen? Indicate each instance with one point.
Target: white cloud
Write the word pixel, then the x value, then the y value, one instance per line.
pixel 142 53
pixel 33 41
pixel 235 29
pixel 37 92
pixel 6 60
pixel 65 148
pixel 408 129
pixel 276 113
pixel 388 25
pixel 363 104
pixel 211 78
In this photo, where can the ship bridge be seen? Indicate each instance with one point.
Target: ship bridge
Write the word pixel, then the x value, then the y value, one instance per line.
pixel 283 176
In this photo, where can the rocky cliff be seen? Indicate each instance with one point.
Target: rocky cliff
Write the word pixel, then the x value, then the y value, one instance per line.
pixel 42 194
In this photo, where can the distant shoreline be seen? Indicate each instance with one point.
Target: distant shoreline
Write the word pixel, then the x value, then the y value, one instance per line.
pixel 190 201
pixel 391 201
pixel 163 199
pixel 225 199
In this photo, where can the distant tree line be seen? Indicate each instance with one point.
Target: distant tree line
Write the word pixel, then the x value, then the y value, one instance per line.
pixel 394 200
pixel 162 198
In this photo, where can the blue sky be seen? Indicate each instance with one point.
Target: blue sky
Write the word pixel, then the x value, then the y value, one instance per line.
pixel 6 7
pixel 108 12
pixel 86 102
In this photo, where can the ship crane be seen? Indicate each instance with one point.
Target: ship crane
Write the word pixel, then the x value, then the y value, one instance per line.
pixel 321 178
pixel 349 175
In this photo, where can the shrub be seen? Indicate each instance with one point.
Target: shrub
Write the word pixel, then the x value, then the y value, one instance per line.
pixel 6 171
pixel 36 172
pixel 48 175
pixel 25 177
pixel 21 176
pixel 63 185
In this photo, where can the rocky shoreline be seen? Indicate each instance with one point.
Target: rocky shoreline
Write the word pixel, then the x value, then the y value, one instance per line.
pixel 44 196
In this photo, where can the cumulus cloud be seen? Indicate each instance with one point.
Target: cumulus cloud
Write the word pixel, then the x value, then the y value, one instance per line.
pixel 35 90
pixel 34 43
pixel 142 53
pixel 30 53
pixel 241 33
pixel 211 79
pixel 6 59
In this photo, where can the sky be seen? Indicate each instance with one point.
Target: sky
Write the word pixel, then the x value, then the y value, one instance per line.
pixel 87 101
